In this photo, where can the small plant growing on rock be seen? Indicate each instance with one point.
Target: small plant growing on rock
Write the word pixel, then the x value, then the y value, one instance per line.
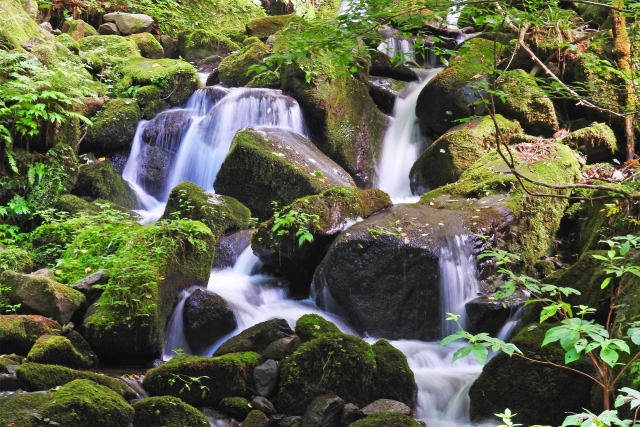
pixel 293 221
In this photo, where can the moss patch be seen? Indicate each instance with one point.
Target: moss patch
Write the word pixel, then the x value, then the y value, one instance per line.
pixel 148 45
pixel 233 69
pixel 16 26
pixel 15 259
pixel 597 142
pixel 311 326
pixel 268 25
pixel 102 51
pixel 59 350
pixel 167 411
pixel 194 45
pixel 100 181
pixel 113 127
pixel 18 333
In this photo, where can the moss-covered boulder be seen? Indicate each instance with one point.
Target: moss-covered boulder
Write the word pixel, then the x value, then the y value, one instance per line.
pixel 271 164
pixel 103 51
pixel 256 418
pixel 222 376
pixel 18 333
pixel 18 409
pixel 597 141
pixel 237 407
pixel 78 29
pixel 39 295
pixel 18 27
pixel 324 216
pixel 113 127
pixel 168 411
pixel 148 267
pixel 220 213
pixel 267 79
pixel 386 419
pixel 233 69
pixel 148 45
pixel 311 326
pixel 256 338
pixel 176 79
pixel 58 350
pixel 451 154
pixel 527 103
pixel 449 96
pixel 150 99
pixel 197 44
pixel 550 392
pixel 394 379
pixel 99 181
pixel 36 376
pixel 83 402
pixel 15 259
pixel 268 25
pixel 533 220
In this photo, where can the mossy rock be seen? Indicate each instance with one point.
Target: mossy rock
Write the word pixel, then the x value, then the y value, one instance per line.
pixel 268 25
pixel 113 127
pixel 194 45
pixel 527 103
pixel 67 41
pixel 148 267
pixel 394 377
pixel 267 164
pixel 18 26
pixel 256 418
pixel 74 205
pixel 220 213
pixel 268 79
pixel 103 51
pixel 344 365
pixel 386 419
pixel 18 409
pixel 460 147
pixel 36 376
pixel 39 295
pixel 327 213
pixel 100 181
pixel 228 375
pixel 148 45
pixel 534 220
pixel 150 99
pixel 546 398
pixel 167 411
pixel 50 52
pixel 256 338
pixel 58 350
pixel 176 79
pixel 82 402
pixel 15 259
pixel 233 69
pixel 237 407
pixel 597 141
pixel 78 29
pixel 18 333
pixel 449 96
pixel 312 326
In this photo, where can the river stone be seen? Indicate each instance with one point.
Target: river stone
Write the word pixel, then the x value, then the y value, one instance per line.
pixel 114 126
pixel 597 141
pixel 229 247
pixel 108 28
pixel 99 181
pixel 86 285
pixel 130 23
pixel 42 296
pixel 256 419
pixel 396 253
pixel 384 405
pixel 382 66
pixel 324 410
pixel 18 333
pixel 55 349
pixel 263 404
pixel 265 377
pixel 350 413
pixel 282 347
pixel 384 91
pixel 207 318
pixel 487 315
pixel 256 338
pixel 270 164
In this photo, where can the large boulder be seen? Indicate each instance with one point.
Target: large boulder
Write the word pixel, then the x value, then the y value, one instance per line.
pixel 176 79
pixel 114 126
pixel 20 28
pixel 99 181
pixel 130 23
pixel 222 376
pixel 60 350
pixel 272 164
pixel 597 141
pixel 167 411
pixel 386 419
pixel 77 29
pixel 546 398
pixel 265 26
pixel 197 44
pixel 18 333
pixel 148 45
pixel 256 338
pixel 40 295
pixel 220 213
pixel 451 94
pixel 206 318
pixel 102 51
pixel 326 215
pixel 394 378
pixel 233 69
pixel 451 154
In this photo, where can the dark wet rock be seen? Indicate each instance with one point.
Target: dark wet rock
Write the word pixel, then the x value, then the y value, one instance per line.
pixel 229 247
pixel 9 382
pixel 207 317
pixel 237 407
pixel 99 181
pixel 384 91
pixel 263 404
pixel 265 377
pixel 487 315
pixel 350 413
pixel 324 410
pixel 256 419
pixel 381 66
pixel 256 338
pixel 282 347
pixel 87 284
pixel 167 411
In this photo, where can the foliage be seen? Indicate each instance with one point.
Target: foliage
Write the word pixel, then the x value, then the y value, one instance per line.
pixel 292 220
pixel 6 307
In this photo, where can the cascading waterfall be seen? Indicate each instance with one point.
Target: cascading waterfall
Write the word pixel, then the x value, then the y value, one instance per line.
pixel 402 143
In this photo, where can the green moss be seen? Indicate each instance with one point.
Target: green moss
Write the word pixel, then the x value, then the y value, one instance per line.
pixel 100 181
pixel 311 326
pixel 67 41
pixel 150 99
pixel 16 26
pixel 597 141
pixel 82 402
pixel 36 376
pixel 194 45
pixel 107 50
pixel 394 378
pixel 218 377
pixel 176 79
pixel 267 79
pixel 78 29
pixel 237 407
pixel 18 410
pixel 451 154
pixel 59 350
pixel 114 126
pixel 148 45
pixel 337 364
pixel 386 419
pixel 75 205
pixel 220 213
pixel 167 411
pixel 256 418
pixel 268 25
pixel 16 259
pixel 18 333
pixel 233 69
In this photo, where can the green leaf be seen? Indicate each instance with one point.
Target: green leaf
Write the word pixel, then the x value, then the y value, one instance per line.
pixel 451 338
pixel 461 352
pixel 480 352
pixel 571 356
pixel 609 356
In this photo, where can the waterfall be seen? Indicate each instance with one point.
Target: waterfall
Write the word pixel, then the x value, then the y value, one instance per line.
pixel 402 144
pixel 174 335
pixel 190 144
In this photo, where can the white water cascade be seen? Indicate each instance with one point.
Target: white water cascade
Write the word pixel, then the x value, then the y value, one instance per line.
pixel 199 138
pixel 402 144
